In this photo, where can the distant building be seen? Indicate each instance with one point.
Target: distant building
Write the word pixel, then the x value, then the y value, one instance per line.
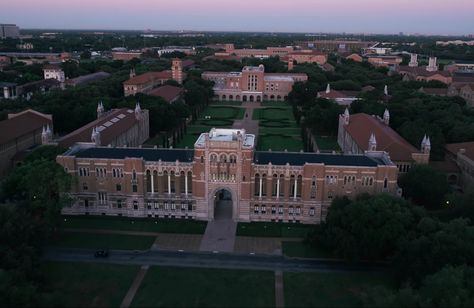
pixel 355 57
pixel 224 164
pixel 463 155
pixel 169 93
pixel 427 73
pixel 118 127
pixel 252 84
pixel 126 55
pixel 25 46
pixel 384 60
pixel 335 45
pixel 54 71
pixel 9 31
pixel 8 90
pixel 27 90
pixel 20 132
pixel 146 82
pixel 255 53
pixel 341 97
pixel 85 79
pixel 361 132
pixel 306 56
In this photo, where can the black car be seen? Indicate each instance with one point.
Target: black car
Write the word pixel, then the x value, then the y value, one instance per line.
pixel 101 253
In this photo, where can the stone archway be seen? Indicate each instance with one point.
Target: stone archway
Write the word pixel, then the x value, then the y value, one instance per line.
pixel 223 204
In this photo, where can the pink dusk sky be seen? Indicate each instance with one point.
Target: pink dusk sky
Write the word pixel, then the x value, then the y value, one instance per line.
pixel 369 16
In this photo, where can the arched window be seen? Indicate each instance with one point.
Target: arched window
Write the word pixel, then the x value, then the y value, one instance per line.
pixel 190 182
pixel 299 186
pixel 274 185
pixel 223 158
pixel 282 185
pixel 233 158
pixel 148 181
pixel 264 184
pixel 257 184
pixel 213 158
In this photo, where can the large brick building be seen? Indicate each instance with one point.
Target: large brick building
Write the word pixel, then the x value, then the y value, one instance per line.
pixel 252 84
pixel 20 132
pixel 187 183
pixel 361 132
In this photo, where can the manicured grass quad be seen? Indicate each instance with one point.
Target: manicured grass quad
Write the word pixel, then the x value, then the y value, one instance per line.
pixel 331 289
pixel 186 287
pixel 277 142
pixel 303 250
pixel 104 241
pixel 272 229
pixel 136 224
pixel 86 284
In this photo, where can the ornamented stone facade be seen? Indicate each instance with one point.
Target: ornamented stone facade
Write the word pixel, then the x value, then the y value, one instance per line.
pixel 182 183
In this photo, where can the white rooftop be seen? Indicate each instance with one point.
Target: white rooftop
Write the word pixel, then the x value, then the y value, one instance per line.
pixel 259 68
pixel 227 135
pixel 278 78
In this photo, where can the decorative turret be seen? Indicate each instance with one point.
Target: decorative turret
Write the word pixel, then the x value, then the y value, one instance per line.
pixel 346 116
pixel 432 66
pixel 372 143
pixel 100 109
pixel 386 117
pixel 328 88
pixel 413 60
pixel 95 137
pixel 385 90
pixel 426 145
pixel 46 135
pixel 132 73
pixel 291 64
pixel 138 112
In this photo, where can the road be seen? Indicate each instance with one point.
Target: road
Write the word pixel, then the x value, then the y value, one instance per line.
pixel 209 260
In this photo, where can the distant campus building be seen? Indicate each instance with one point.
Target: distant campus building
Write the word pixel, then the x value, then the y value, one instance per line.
pixel 361 132
pixel 187 183
pixel 252 84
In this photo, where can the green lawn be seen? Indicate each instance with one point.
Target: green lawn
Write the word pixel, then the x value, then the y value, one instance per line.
pixel 333 289
pixel 302 250
pixel 223 112
pixel 136 224
pixel 327 143
pixel 186 287
pixel 97 241
pixel 226 103
pixel 273 229
pixel 275 104
pixel 86 284
pixel 280 143
pixel 293 131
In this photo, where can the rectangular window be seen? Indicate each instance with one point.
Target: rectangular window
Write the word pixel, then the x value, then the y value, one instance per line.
pixel 298 210
pixel 135 205
pixel 134 188
pixel 118 187
pixel 119 204
pixel 311 211
pixel 273 209
pixel 280 210
pixel 290 210
pixel 264 209
pixel 255 209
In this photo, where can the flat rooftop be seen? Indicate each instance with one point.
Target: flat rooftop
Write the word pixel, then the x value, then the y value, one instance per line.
pixel 227 135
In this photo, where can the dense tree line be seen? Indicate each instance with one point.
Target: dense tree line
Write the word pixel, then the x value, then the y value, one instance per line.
pixel 29 218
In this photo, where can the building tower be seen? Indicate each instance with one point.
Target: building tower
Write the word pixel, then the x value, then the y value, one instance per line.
pixel 385 90
pixel 291 64
pixel 138 112
pixel 346 116
pixel 46 135
pixel 177 70
pixel 132 73
pixel 386 117
pixel 95 137
pixel 426 145
pixel 372 143
pixel 432 66
pixel 100 110
pixel 328 88
pixel 413 60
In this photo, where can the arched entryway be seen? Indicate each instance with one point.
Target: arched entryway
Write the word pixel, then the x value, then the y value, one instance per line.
pixel 223 204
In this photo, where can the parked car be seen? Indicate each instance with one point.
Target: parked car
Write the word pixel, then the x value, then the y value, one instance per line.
pixel 104 253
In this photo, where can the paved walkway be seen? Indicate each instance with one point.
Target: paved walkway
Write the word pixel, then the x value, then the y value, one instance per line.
pixel 250 126
pixel 279 295
pixel 220 233
pixel 134 287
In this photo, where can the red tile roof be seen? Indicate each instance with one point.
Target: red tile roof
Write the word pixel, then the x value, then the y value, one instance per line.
pixel 362 125
pixel 468 147
pixel 148 77
pixel 23 123
pixel 115 122
pixel 167 92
